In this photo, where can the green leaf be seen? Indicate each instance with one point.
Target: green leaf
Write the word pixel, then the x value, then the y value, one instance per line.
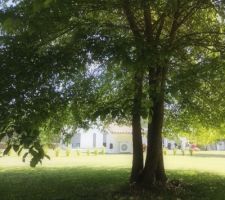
pixel 16 147
pixel 19 152
pixel 24 156
pixel 47 156
pixel 6 151
pixel 34 161
pixel 2 135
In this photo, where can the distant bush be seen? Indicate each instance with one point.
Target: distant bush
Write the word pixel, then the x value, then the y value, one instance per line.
pixel 57 152
pixel 165 151
pixel 103 151
pixel 183 152
pixel 88 152
pixel 77 152
pixel 96 152
pixel 68 152
pixel 174 151
pixel 52 145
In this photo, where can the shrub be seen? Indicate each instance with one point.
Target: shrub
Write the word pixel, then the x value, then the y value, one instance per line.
pixel 77 152
pixel 183 152
pixel 68 152
pixel 88 152
pixel 103 151
pixel 96 152
pixel 57 152
pixel 174 151
pixel 164 151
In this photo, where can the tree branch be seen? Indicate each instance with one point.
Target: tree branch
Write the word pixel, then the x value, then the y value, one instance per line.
pixel 175 25
pixel 161 24
pixel 131 19
pixel 148 21
pixel 200 33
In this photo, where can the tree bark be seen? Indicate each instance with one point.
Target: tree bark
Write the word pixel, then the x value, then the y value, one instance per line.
pixel 154 166
pixel 160 175
pixel 137 163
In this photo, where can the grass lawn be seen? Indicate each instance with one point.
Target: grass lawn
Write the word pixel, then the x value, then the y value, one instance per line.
pixel 104 177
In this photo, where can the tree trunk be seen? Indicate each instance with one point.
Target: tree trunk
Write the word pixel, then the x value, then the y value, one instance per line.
pixel 137 164
pixel 154 169
pixel 154 166
pixel 160 175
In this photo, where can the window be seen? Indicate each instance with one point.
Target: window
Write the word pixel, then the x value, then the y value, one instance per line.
pixel 76 145
pixel 111 146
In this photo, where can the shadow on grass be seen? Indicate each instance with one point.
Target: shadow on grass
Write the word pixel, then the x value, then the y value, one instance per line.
pixel 103 184
pixel 200 186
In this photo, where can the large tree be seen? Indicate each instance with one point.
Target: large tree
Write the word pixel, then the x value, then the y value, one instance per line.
pixel 169 31
pixel 147 47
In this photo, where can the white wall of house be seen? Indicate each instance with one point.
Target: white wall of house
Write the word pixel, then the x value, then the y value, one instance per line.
pixel 75 141
pixel 183 143
pixel 211 147
pixel 220 146
pixel 119 140
pixel 114 142
pixel 87 139
pixel 118 143
pixel 167 143
pixel 171 144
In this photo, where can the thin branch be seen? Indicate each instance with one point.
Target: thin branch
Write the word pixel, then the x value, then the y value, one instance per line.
pixel 72 27
pixel 187 16
pixel 199 33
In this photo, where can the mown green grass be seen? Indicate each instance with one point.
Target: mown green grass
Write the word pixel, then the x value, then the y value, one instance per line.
pixel 106 177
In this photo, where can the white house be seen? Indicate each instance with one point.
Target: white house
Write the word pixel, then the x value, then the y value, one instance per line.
pixel 118 139
pixel 220 146
pixel 181 143
pixel 87 139
pixel 170 144
pixel 114 138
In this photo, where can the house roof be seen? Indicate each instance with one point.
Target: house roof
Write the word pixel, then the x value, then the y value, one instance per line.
pixel 115 128
pixel 121 129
